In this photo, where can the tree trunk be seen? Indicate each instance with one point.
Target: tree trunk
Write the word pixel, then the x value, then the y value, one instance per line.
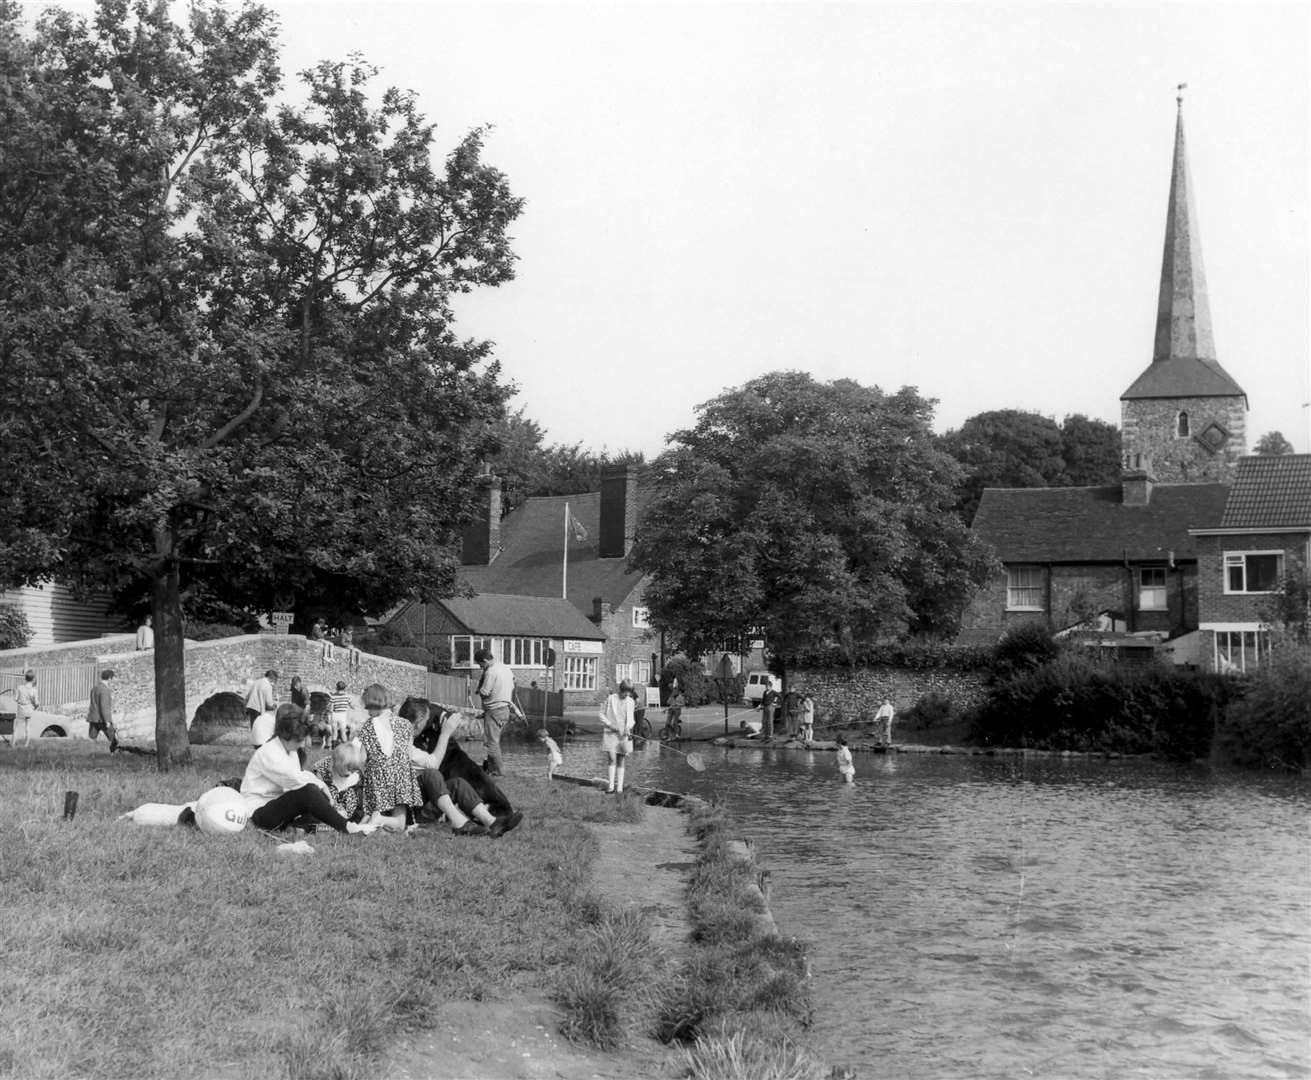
pixel 171 741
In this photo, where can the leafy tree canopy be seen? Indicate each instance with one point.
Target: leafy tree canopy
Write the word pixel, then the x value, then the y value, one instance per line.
pixel 228 359
pixel 1272 444
pixel 1017 449
pixel 817 512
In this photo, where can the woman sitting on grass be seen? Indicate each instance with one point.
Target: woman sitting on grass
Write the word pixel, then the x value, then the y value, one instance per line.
pixel 276 788
pixel 390 786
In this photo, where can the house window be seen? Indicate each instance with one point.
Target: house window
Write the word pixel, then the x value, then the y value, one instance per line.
pixel 641 618
pixel 1151 589
pixel 1240 651
pixel 638 673
pixel 463 647
pixel 524 652
pixel 579 672
pixel 1253 571
pixel 1181 425
pixel 1024 588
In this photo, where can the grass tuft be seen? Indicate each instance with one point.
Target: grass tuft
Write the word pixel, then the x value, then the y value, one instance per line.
pixel 746 1054
pixel 607 996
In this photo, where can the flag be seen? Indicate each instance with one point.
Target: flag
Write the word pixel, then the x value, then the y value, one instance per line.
pixel 575 526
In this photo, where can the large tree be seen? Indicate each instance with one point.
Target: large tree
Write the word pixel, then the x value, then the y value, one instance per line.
pixel 1272 444
pixel 1017 449
pixel 817 512
pixel 228 351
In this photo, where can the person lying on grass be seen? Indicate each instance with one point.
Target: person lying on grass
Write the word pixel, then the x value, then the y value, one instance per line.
pixel 277 790
pixel 442 765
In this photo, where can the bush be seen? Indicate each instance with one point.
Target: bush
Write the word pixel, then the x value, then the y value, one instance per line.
pixel 1081 702
pixel 698 687
pixel 914 654
pixel 411 654
pixel 15 631
pixel 1022 649
pixel 1268 724
pixel 214 631
pixel 930 711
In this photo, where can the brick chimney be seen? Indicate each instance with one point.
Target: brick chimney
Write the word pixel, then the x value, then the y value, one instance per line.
pixel 1136 480
pixel 618 511
pixel 482 536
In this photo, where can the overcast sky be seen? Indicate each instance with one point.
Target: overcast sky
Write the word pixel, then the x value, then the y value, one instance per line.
pixel 967 198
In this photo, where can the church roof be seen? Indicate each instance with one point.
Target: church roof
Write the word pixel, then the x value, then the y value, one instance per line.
pixel 1183 357
pixel 1270 493
pixel 1092 524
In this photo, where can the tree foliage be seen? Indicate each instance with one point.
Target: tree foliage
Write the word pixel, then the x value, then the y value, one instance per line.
pixel 1272 444
pixel 1016 449
pixel 816 512
pixel 15 631
pixel 228 359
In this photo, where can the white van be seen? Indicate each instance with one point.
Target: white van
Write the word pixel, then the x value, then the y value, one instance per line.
pixel 756 683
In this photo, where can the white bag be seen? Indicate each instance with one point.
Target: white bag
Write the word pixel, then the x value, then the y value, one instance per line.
pixel 155 813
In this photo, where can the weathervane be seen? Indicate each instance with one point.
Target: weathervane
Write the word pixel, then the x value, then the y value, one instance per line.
pixel 1179 94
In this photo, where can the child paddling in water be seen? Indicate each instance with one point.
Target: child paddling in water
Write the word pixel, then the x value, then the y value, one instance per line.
pixel 845 767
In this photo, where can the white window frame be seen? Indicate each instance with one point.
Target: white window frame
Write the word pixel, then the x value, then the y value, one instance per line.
pixel 524 652
pixel 474 644
pixel 1018 589
pixel 637 672
pixel 641 618
pixel 578 671
pixel 1152 597
pixel 1230 650
pixel 1234 560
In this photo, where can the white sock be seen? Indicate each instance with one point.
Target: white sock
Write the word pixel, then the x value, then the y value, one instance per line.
pixel 612 776
pixel 619 786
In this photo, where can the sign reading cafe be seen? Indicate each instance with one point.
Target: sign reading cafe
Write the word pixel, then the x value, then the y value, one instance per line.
pixel 571 646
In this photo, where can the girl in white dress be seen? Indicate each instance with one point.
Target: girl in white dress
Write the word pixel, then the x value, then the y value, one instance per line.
pixel 616 740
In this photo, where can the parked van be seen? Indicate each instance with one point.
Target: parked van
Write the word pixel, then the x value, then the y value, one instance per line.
pixel 756 683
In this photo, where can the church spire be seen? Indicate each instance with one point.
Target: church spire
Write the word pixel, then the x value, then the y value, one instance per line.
pixel 1183 355
pixel 1183 316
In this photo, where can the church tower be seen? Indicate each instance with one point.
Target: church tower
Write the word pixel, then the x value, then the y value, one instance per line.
pixel 1184 418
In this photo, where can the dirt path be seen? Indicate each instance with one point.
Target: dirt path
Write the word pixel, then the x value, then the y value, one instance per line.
pixel 642 865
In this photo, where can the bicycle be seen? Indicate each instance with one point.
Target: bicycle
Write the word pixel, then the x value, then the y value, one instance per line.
pixel 673 728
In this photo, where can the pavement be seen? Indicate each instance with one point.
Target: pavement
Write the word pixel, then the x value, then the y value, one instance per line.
pixel 700 724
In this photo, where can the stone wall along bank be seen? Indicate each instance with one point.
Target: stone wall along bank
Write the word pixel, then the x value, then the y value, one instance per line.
pixel 857 693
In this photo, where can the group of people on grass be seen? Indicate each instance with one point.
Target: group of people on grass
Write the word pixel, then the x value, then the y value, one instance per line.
pixel 401 769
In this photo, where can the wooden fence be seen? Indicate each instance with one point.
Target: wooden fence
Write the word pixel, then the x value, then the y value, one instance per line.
pixel 453 691
pixel 57 685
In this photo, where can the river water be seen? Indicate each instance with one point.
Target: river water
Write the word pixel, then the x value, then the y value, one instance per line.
pixel 975 917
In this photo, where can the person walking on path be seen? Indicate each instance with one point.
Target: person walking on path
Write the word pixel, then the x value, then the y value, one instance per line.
pixel 100 710
pixel 146 634
pixel 27 701
pixel 616 740
pixel 260 697
pixel 496 689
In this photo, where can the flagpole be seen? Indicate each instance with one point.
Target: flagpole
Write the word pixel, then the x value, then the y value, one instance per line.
pixel 564 572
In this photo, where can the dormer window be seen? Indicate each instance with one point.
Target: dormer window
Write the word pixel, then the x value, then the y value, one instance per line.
pixel 1181 425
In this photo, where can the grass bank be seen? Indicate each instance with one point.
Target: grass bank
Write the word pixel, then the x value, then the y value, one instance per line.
pixel 141 952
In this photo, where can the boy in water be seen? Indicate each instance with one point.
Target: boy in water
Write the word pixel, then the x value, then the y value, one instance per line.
pixel 846 769
pixel 556 759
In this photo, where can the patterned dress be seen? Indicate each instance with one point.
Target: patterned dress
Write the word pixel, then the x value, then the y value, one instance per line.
pixel 347 800
pixel 389 781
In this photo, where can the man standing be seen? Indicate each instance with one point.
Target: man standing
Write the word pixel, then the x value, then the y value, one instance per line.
pixel 100 710
pixel 496 689
pixel 146 634
pixel 768 703
pixel 260 698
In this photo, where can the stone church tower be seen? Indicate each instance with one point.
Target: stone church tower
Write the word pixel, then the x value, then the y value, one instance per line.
pixel 1184 418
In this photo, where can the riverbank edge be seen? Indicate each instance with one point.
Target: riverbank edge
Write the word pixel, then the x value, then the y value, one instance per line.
pixel 737 742
pixel 710 828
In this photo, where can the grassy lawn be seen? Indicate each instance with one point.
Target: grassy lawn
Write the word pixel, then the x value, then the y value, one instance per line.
pixel 142 952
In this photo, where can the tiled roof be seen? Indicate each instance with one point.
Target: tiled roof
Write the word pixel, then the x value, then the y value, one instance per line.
pixel 1092 524
pixel 1183 378
pixel 1271 493
pixel 532 550
pixel 521 616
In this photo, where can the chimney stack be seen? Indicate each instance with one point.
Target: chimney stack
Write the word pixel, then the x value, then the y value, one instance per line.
pixel 482 536
pixel 618 511
pixel 1136 480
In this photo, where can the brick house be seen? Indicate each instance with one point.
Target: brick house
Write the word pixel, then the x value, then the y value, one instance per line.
pixel 523 555
pixel 526 632
pixel 1264 532
pixel 1120 556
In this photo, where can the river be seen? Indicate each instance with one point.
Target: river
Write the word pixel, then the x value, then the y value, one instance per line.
pixel 975 917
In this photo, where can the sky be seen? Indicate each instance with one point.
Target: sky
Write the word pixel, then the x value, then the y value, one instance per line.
pixel 964 198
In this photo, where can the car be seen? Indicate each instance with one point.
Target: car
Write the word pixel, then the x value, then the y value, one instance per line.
pixel 45 725
pixel 756 683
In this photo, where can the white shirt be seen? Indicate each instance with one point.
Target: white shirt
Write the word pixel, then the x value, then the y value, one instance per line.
pixel 145 638
pixel 261 730
pixel 273 770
